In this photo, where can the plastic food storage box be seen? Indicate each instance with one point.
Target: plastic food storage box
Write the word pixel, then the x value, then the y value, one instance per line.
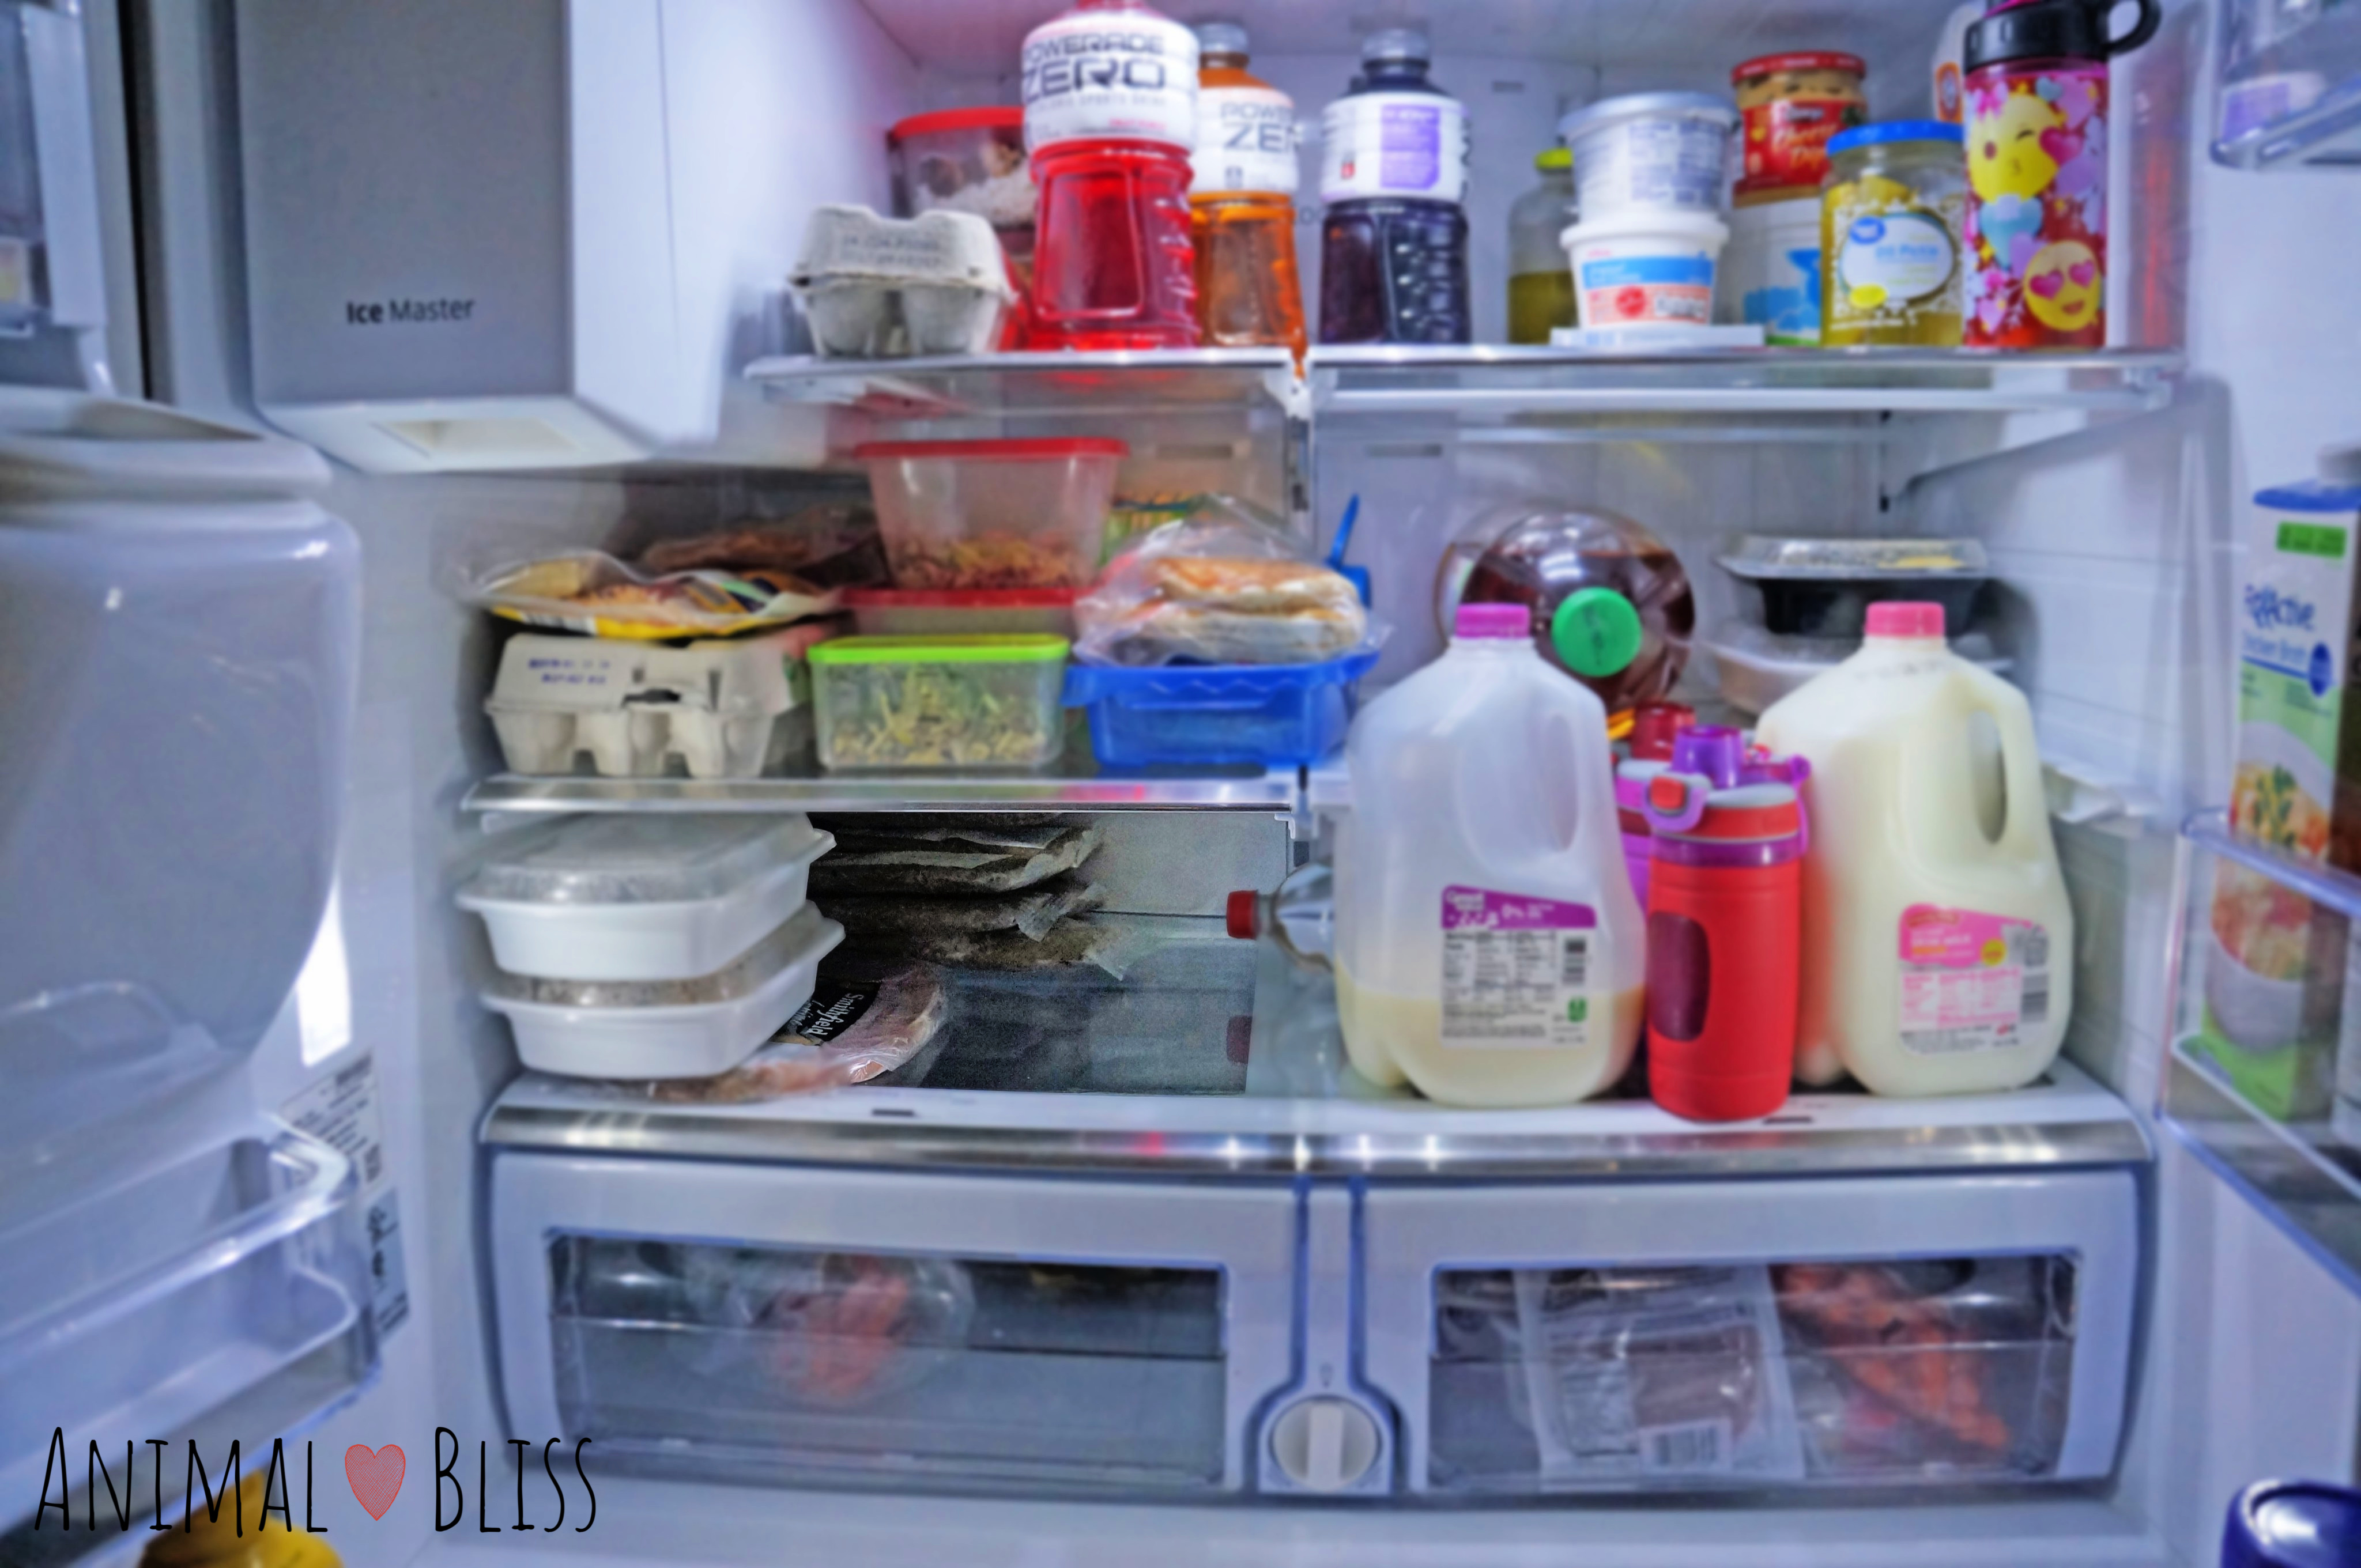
pixel 1823 587
pixel 939 702
pixel 941 612
pixel 878 288
pixel 992 514
pixel 683 1028
pixel 967 160
pixel 1205 714
pixel 727 709
pixel 640 898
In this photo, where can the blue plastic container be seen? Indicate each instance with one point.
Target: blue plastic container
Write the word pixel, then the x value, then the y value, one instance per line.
pixel 1196 715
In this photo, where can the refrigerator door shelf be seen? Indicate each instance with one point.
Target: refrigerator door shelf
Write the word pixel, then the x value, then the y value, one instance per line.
pixel 178 1291
pixel 846 1328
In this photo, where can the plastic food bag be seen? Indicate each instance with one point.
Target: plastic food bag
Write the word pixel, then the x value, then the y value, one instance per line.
pixel 834 545
pixel 863 1020
pixel 1665 1374
pixel 831 1328
pixel 921 861
pixel 1221 586
pixel 589 591
pixel 888 916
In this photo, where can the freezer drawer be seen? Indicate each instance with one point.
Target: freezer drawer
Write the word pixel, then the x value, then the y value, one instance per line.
pixel 770 1324
pixel 1757 1336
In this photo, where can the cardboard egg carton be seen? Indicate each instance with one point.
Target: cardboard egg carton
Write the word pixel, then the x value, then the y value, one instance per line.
pixel 883 288
pixel 724 708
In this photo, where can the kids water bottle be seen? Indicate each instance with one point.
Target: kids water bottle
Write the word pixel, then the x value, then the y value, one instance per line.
pixel 1725 897
pixel 1110 119
pixel 2036 119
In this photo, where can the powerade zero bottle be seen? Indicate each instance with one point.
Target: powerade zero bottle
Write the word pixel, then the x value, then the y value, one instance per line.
pixel 1110 120
pixel 1243 201
pixel 1393 169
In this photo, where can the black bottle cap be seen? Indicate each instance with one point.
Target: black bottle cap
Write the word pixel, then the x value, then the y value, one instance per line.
pixel 2055 29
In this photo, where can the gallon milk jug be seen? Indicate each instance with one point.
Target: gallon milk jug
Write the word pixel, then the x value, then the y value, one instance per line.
pixel 1489 947
pixel 1938 946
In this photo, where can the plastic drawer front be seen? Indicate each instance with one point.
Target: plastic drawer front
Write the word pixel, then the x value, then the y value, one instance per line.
pixel 1756 1336
pixel 905 1330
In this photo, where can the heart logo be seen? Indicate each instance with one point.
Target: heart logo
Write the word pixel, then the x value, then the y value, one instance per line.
pixel 376 1476
pixel 2063 146
pixel 2082 272
pixel 2047 286
pixel 2048 89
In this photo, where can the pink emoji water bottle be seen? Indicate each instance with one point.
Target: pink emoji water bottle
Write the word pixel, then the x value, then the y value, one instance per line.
pixel 2036 116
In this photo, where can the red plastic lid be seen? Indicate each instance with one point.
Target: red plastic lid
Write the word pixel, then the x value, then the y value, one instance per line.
pixel 1653 726
pixel 1243 913
pixel 991 117
pixel 1802 59
pixel 997 451
pixel 959 598
pixel 1905 617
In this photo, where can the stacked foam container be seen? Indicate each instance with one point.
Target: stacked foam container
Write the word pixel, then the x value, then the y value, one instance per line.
pixel 651 947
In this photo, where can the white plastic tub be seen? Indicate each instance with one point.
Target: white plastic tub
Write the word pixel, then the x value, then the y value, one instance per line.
pixel 1771 272
pixel 1662 150
pixel 1645 267
pixel 641 898
pixel 593 1029
pixel 728 710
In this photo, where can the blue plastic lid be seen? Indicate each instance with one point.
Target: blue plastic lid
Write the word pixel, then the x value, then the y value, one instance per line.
pixel 2293 1524
pixel 1897 130
pixel 2311 495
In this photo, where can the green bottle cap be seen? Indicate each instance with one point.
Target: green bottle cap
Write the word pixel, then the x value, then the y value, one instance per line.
pixel 1597 632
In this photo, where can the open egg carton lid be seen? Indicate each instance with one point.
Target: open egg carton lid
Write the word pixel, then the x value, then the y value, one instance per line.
pixel 631 859
pixel 1760 556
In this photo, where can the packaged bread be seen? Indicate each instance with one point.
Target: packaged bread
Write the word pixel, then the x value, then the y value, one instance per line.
pixel 1220 587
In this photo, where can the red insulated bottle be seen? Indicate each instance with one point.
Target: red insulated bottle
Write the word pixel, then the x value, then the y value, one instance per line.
pixel 1725 916
pixel 1111 118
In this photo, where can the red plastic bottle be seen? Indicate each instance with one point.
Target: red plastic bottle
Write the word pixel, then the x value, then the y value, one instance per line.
pixel 1725 919
pixel 1110 119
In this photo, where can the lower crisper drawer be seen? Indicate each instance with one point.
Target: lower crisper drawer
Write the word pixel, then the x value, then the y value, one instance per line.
pixel 1759 1336
pixel 954 1330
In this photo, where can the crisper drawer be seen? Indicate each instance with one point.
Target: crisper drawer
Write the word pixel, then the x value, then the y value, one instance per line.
pixel 781 1325
pixel 1755 1335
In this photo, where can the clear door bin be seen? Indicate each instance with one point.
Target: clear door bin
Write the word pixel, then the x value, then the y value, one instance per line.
pixel 2290 85
pixel 680 1028
pixel 629 897
pixel 723 710
pixel 939 702
pixel 140 1308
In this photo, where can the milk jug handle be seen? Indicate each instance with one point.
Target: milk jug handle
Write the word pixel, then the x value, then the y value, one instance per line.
pixel 2027 807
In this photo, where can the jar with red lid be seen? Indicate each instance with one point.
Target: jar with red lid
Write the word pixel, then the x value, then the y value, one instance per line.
pixel 1791 105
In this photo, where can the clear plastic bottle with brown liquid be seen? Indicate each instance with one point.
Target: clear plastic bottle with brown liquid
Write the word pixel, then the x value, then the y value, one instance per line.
pixel 1242 201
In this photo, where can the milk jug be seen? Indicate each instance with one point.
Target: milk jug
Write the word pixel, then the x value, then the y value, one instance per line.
pixel 1489 948
pixel 1937 945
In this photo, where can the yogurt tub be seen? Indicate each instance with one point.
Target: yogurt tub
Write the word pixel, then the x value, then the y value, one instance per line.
pixel 1645 267
pixel 1651 149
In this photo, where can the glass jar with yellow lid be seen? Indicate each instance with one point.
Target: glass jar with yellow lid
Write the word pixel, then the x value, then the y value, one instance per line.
pixel 1890 217
pixel 1541 279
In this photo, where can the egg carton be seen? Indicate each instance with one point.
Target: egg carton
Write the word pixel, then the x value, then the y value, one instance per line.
pixel 883 288
pixel 727 709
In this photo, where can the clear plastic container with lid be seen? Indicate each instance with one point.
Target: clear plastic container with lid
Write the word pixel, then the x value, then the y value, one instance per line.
pixel 1891 220
pixel 640 898
pixel 992 514
pixel 939 702
pixel 968 161
pixel 1541 287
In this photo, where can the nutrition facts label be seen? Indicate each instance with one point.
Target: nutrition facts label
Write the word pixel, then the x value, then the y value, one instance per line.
pixel 1971 981
pixel 1516 971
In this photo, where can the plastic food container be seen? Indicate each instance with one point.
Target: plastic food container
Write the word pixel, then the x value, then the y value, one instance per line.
pixel 1645 267
pixel 937 612
pixel 939 702
pixel 640 898
pixel 1271 714
pixel 1758 668
pixel 725 710
pixel 992 514
pixel 1791 104
pixel 1823 587
pixel 1769 276
pixel 878 288
pixel 690 1029
pixel 967 160
pixel 1651 149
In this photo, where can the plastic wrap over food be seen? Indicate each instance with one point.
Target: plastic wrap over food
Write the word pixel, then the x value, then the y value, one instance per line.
pixel 834 545
pixel 1222 586
pixel 945 859
pixel 839 1327
pixel 591 592
pixel 864 1021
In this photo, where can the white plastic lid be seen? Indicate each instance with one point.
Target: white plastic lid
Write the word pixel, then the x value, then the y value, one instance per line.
pixel 1673 223
pixel 62 445
pixel 789 944
pixel 1397 43
pixel 630 858
pixel 1592 119
pixel 1221 38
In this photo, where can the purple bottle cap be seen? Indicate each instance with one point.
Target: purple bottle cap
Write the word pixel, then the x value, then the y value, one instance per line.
pixel 1715 751
pixel 1504 621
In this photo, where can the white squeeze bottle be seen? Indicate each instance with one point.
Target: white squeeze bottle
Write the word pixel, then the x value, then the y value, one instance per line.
pixel 1489 948
pixel 1937 943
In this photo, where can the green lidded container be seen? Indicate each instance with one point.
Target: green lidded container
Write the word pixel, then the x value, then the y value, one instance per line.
pixel 939 702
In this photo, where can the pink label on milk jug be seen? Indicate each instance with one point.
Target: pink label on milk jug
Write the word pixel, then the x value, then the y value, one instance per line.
pixel 2036 145
pixel 1971 981
pixel 1516 970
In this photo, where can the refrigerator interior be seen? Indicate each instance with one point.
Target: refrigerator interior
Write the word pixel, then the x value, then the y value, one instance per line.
pixel 2116 538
